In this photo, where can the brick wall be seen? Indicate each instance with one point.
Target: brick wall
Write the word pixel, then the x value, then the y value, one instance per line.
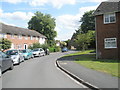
pixel 107 31
pixel 16 41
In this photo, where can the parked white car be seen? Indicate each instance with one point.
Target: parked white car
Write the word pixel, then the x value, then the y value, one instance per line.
pixel 38 52
pixel 16 56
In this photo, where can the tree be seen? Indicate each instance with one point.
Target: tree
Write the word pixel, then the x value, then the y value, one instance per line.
pixel 5 44
pixel 38 45
pixel 88 22
pixel 84 40
pixel 44 24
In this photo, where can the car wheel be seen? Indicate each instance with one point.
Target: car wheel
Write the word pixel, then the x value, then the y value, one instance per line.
pixel 39 55
pixel 32 56
pixel 23 59
pixel 19 61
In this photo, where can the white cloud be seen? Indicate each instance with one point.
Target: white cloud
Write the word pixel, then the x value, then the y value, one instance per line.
pixel 94 1
pixel 16 18
pixel 17 15
pixel 13 1
pixel 60 3
pixel 38 2
pixel 69 23
pixel 1 11
pixel 56 3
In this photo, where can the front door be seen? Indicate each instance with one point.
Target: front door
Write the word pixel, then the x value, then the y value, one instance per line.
pixel 25 46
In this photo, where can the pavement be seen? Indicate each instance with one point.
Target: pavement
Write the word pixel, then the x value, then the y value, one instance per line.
pixel 94 78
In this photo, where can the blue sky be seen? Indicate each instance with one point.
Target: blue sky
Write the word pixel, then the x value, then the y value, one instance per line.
pixel 66 12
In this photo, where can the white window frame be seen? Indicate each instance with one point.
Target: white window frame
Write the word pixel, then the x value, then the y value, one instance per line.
pixel 36 38
pixel 107 40
pixel 31 37
pixel 26 37
pixel 12 36
pixel 20 36
pixel 3 35
pixel 108 15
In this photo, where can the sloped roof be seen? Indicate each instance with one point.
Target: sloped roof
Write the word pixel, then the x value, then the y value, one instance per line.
pixel 19 31
pixel 108 7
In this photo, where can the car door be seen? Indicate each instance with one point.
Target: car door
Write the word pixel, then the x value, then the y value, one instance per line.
pixel 6 62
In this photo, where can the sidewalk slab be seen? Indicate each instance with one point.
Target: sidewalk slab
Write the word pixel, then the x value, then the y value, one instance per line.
pixel 98 79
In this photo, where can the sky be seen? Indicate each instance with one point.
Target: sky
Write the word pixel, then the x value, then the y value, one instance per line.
pixel 66 12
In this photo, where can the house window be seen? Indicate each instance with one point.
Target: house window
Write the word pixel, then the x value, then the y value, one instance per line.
pixel 19 46
pixel 3 36
pixel 36 38
pixel 26 37
pixel 110 42
pixel 20 37
pixel 12 36
pixel 109 18
pixel 31 38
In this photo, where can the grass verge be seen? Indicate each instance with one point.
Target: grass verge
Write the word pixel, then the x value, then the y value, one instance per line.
pixel 87 59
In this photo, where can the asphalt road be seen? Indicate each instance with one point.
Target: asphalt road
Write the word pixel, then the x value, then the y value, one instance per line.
pixel 40 72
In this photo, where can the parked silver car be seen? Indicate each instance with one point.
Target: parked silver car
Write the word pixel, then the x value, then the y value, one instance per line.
pixel 16 56
pixel 38 52
pixel 5 62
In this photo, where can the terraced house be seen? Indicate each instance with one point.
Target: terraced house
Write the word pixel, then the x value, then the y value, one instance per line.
pixel 21 38
pixel 108 29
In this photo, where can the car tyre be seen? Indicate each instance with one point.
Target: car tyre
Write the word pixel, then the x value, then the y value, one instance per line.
pixel 39 55
pixel 19 61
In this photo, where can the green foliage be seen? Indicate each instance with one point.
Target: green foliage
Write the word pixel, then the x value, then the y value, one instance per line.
pixel 38 45
pixel 84 37
pixel 83 40
pixel 44 24
pixel 63 44
pixel 88 22
pixel 5 44
pixel 55 49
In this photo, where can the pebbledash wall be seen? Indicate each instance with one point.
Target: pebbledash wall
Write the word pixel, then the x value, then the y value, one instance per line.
pixel 21 38
pixel 108 30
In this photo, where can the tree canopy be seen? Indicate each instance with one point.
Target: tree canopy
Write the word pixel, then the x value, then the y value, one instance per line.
pixel 5 44
pixel 88 22
pixel 84 37
pixel 44 24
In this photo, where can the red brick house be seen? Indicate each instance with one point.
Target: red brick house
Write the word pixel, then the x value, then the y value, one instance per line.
pixel 108 30
pixel 21 38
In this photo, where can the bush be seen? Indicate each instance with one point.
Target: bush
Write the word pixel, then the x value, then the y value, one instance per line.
pixel 34 45
pixel 54 49
pixel 5 44
pixel 45 46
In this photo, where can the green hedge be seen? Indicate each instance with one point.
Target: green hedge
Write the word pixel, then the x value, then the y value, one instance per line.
pixel 54 49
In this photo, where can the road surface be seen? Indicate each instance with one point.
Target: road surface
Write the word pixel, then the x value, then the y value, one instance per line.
pixel 40 72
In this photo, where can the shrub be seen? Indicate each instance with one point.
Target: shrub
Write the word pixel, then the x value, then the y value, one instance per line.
pixel 54 49
pixel 5 44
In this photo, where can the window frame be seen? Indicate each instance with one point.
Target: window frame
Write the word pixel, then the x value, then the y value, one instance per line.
pixel 26 37
pixel 105 42
pixel 20 36
pixel 108 15
pixel 31 37
pixel 12 36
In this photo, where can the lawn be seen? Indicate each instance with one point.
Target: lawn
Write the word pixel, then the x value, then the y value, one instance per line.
pixel 88 60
